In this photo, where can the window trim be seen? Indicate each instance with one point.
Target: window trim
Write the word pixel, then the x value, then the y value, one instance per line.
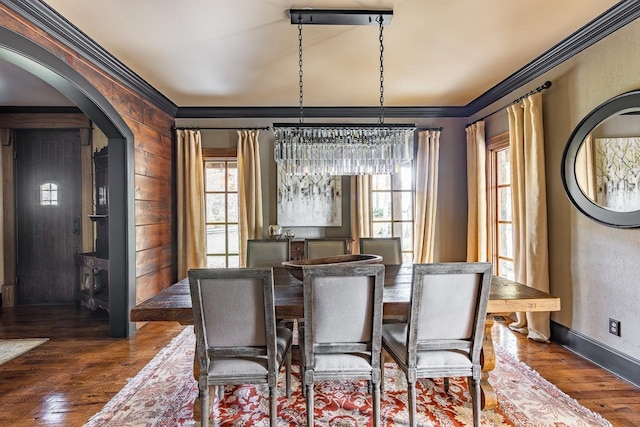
pixel 494 144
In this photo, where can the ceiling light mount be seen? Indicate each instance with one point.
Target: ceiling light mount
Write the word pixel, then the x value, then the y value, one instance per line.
pixel 340 16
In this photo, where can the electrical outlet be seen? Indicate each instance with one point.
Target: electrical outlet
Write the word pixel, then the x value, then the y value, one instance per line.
pixel 614 327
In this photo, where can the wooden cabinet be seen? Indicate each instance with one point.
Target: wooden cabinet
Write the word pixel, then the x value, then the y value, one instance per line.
pixel 92 268
pixel 296 250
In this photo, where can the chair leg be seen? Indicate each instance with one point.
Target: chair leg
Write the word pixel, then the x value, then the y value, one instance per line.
pixel 204 406
pixel 476 400
pixel 382 374
pixel 310 405
pixel 446 385
pixel 411 390
pixel 376 404
pixel 273 405
pixel 220 392
pixel 288 373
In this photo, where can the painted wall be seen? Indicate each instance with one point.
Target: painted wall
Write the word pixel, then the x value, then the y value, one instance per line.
pixel 452 184
pixel 594 269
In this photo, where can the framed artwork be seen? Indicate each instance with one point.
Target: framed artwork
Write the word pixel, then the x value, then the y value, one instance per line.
pixel 309 200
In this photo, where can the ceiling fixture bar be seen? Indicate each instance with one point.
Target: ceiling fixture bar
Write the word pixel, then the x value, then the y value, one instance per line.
pixel 340 16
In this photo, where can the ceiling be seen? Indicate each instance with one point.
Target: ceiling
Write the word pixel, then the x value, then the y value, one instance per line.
pixel 244 53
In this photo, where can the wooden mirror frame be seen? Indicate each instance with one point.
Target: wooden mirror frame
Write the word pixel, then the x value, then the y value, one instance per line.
pixel 626 102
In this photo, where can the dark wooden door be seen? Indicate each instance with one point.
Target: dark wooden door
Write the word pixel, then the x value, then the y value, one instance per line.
pixel 48 210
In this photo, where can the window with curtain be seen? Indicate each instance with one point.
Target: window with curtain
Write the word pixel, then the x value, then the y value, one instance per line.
pixel 499 204
pixel 392 207
pixel 221 201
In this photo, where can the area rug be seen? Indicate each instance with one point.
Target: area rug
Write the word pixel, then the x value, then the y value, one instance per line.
pixel 162 394
pixel 10 349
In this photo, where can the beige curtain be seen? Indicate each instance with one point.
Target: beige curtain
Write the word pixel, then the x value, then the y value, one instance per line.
pixel 585 169
pixel 531 257
pixel 360 209
pixel 191 208
pixel 476 193
pixel 426 195
pixel 249 190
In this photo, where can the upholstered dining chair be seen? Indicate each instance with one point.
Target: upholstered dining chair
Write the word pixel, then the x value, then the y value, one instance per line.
pixel 443 336
pixel 237 341
pixel 321 248
pixel 389 248
pixel 267 253
pixel 341 336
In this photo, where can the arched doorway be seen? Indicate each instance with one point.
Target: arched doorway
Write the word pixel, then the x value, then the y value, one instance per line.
pixel 38 61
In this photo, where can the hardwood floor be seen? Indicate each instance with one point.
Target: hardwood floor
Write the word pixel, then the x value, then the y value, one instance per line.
pixel 73 375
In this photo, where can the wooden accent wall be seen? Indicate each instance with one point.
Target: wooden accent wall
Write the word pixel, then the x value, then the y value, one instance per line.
pixel 154 164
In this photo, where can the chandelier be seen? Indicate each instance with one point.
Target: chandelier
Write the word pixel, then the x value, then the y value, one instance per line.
pixel 342 149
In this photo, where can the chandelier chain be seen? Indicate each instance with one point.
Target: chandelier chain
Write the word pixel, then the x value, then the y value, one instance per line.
pixel 300 67
pixel 381 119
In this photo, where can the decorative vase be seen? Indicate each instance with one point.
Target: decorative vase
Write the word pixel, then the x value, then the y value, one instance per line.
pixel 275 232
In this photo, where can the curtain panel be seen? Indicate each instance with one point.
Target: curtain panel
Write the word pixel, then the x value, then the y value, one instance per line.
pixel 249 190
pixel 361 220
pixel 477 243
pixel 531 252
pixel 427 159
pixel 192 247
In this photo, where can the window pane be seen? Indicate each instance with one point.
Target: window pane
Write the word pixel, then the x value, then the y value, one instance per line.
pixel 505 269
pixel 214 176
pixel 234 262
pixel 381 206
pixel 505 236
pixel 215 209
pixel 402 206
pixel 232 233
pixel 381 182
pixel 407 258
pixel 404 230
pixel 504 204
pixel 381 229
pixel 216 239
pixel 232 207
pixel 504 167
pixel 216 262
pixel 232 176
pixel 403 180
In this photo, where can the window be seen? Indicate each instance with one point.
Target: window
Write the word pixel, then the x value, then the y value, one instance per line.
pixel 49 194
pixel 221 201
pixel 500 218
pixel 392 207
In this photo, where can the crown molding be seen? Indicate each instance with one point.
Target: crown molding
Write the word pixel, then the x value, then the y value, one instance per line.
pixel 53 23
pixel 50 21
pixel 39 110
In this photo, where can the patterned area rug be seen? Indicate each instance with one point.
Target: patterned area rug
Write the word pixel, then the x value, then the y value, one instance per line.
pixel 162 394
pixel 10 349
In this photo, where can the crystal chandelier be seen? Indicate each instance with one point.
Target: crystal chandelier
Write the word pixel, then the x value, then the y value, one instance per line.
pixel 342 149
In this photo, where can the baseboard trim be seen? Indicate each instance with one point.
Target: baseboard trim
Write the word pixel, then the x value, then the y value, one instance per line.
pixel 604 356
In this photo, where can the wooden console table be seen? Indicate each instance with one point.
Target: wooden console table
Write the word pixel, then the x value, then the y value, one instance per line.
pixel 174 304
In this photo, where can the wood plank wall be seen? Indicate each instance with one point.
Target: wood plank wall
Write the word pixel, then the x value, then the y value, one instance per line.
pixel 154 164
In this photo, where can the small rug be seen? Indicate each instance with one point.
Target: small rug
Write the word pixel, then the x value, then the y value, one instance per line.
pixel 162 394
pixel 10 349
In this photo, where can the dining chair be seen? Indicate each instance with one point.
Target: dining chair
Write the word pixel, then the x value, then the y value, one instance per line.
pixel 341 335
pixel 237 340
pixel 443 336
pixel 267 253
pixel 321 248
pixel 389 248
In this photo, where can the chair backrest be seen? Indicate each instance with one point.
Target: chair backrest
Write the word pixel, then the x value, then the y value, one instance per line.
pixel 322 248
pixel 389 248
pixel 343 309
pixel 448 307
pixel 267 253
pixel 233 312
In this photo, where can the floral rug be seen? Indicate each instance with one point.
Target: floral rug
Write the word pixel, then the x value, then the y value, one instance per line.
pixel 162 394
pixel 10 349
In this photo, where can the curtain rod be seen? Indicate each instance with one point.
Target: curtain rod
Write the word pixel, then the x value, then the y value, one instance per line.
pixel 546 85
pixel 423 129
pixel 221 128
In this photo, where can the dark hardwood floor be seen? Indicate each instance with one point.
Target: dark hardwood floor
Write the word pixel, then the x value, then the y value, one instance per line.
pixel 73 375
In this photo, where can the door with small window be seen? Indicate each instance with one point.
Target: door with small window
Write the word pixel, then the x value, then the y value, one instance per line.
pixel 48 214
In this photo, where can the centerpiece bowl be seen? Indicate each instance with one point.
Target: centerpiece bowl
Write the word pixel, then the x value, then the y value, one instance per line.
pixel 295 267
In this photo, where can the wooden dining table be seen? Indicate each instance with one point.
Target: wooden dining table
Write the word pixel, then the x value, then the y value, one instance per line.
pixel 506 296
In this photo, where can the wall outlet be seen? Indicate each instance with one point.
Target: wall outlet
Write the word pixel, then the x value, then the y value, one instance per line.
pixel 614 327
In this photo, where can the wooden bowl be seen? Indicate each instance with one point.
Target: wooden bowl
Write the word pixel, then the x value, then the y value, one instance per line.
pixel 295 267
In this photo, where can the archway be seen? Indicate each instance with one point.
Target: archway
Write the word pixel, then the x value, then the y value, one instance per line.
pixel 38 61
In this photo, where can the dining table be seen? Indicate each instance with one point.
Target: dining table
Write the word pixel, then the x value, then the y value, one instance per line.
pixel 506 296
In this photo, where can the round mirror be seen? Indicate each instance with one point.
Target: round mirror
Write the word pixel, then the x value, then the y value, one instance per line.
pixel 601 163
